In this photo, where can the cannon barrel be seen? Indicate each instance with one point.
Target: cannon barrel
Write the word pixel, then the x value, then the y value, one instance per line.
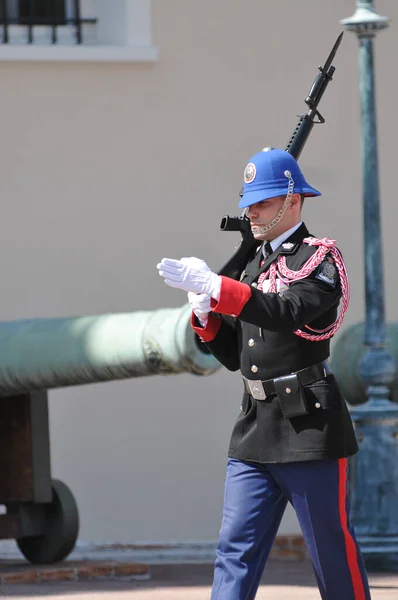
pixel 347 352
pixel 40 354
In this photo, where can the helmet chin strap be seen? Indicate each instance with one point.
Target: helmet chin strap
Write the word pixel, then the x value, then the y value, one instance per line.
pixel 282 210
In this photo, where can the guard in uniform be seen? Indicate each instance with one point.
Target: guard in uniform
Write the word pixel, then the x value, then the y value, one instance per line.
pixel 293 434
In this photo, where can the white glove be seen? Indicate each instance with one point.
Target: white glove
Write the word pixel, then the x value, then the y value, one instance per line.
pixel 190 274
pixel 200 305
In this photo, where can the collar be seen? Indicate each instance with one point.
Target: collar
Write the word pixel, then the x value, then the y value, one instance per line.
pixel 254 267
pixel 284 236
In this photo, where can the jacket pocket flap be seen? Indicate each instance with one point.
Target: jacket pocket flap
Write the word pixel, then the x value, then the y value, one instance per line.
pixel 291 396
pixel 325 392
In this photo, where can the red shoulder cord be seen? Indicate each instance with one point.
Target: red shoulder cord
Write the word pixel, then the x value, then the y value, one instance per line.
pixel 287 276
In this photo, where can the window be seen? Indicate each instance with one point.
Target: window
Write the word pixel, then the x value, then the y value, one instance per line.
pixel 76 30
pixel 35 15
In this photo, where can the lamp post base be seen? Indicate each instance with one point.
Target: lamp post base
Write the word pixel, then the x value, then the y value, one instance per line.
pixel 373 481
pixel 379 553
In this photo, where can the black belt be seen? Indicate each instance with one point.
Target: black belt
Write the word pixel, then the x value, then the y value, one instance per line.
pixel 305 376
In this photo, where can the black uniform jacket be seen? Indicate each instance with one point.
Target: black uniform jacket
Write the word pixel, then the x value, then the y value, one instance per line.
pixel 253 331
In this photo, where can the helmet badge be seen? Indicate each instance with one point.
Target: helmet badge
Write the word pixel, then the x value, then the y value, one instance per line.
pixel 250 173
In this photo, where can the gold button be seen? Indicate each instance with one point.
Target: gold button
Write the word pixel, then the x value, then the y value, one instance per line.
pixel 254 369
pixel 317 405
pixel 251 342
pixel 288 391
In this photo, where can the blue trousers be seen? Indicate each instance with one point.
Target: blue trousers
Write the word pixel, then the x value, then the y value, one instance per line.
pixel 255 500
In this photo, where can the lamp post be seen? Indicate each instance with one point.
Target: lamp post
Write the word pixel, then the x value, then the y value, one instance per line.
pixel 374 470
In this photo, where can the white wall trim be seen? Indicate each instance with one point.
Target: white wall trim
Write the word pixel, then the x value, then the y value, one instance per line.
pixel 79 53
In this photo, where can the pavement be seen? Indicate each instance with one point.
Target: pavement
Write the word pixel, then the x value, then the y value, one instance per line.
pixel 287 580
pixel 156 572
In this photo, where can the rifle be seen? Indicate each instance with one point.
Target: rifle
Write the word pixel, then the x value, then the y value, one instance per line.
pixel 235 265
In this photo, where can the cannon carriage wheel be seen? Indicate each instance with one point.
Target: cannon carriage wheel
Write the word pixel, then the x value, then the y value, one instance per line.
pixel 60 528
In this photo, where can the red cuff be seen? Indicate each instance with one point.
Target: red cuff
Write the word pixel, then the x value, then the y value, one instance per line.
pixel 233 297
pixel 208 333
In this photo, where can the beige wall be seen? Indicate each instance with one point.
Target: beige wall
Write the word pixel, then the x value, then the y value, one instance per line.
pixel 108 167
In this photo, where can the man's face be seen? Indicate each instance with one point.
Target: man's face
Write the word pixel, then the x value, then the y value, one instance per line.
pixel 262 213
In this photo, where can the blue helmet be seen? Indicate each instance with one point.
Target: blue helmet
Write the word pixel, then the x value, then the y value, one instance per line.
pixel 267 175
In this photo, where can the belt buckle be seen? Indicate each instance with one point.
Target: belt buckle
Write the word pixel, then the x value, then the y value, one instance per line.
pixel 256 389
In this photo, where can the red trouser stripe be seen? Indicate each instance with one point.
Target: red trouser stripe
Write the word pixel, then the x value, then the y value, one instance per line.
pixel 357 583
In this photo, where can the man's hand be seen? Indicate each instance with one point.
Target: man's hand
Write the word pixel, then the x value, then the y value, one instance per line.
pixel 200 305
pixel 190 274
